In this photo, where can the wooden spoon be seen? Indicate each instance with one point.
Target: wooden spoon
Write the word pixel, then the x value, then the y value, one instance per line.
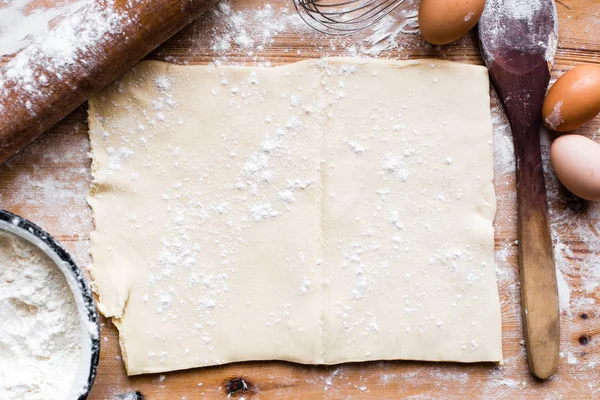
pixel 518 42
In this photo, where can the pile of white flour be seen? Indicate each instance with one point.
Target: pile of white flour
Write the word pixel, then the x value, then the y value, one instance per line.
pixel 39 325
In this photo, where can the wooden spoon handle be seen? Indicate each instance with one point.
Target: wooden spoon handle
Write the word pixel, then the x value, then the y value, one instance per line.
pixel 83 53
pixel 539 292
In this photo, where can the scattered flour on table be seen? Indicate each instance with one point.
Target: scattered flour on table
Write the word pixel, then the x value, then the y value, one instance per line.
pixel 564 294
pixel 39 333
pixel 388 34
pixel 250 32
pixel 57 185
pixel 252 29
pixel 511 383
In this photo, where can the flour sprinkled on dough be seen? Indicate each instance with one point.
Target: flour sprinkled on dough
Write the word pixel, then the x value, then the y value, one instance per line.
pixel 283 202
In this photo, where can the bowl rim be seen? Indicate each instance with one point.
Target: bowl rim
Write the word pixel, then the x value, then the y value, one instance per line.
pixel 15 224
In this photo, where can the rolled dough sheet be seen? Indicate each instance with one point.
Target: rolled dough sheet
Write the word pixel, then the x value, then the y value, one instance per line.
pixel 322 212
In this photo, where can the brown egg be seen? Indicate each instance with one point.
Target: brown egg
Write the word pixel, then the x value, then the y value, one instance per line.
pixel 574 99
pixel 444 21
pixel 576 162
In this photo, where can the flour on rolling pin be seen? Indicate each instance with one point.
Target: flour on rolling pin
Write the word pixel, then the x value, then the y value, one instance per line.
pixel 87 50
pixel 35 85
pixel 22 21
pixel 58 51
pixel 40 329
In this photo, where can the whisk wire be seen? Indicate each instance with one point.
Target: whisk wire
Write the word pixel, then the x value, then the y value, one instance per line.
pixel 346 16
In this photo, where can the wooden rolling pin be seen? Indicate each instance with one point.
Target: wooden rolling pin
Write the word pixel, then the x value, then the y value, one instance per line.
pixel 82 54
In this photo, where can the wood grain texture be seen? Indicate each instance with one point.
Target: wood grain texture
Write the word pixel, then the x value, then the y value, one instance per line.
pixel 48 182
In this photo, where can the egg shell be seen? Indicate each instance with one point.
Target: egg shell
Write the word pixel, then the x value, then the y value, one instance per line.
pixel 573 100
pixel 444 21
pixel 576 162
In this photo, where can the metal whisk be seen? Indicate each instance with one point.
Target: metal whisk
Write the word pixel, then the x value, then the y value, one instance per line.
pixel 343 17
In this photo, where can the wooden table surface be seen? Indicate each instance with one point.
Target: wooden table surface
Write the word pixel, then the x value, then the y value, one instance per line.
pixel 48 182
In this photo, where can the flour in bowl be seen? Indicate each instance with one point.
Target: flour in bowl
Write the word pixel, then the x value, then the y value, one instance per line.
pixel 39 332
